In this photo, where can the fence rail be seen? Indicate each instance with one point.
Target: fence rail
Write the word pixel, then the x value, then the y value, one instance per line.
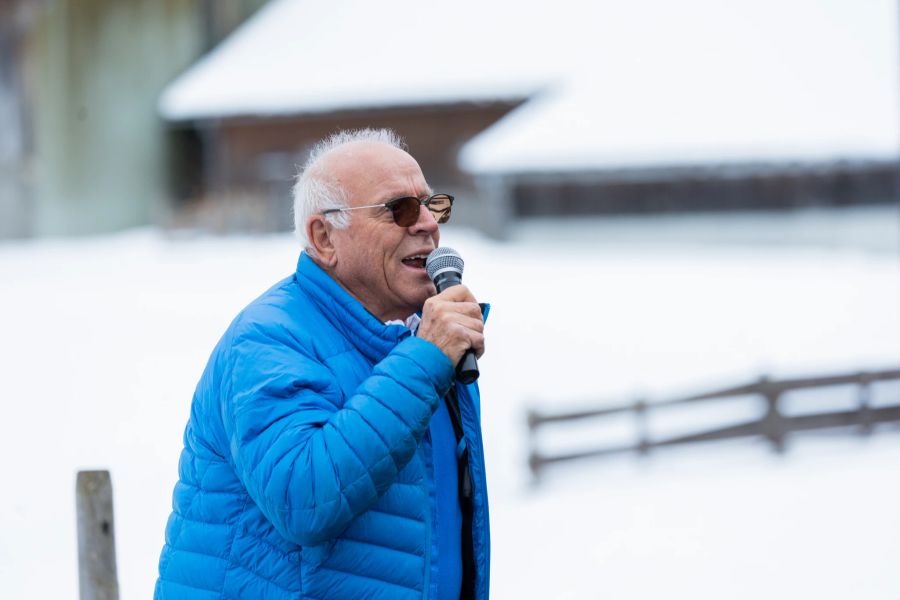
pixel 774 425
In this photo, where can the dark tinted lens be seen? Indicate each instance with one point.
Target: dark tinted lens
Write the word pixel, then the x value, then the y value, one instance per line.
pixel 440 206
pixel 405 211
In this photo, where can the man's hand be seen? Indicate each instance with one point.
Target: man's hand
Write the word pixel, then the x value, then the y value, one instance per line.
pixel 452 321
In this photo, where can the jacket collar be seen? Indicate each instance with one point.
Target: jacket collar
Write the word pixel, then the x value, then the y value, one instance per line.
pixel 358 326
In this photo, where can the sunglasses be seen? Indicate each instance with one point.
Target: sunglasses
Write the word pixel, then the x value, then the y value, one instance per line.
pixel 405 211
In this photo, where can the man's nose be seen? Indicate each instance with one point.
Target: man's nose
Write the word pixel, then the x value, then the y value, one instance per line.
pixel 426 221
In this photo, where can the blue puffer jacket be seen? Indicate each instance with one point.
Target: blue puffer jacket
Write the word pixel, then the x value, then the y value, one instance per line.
pixel 306 471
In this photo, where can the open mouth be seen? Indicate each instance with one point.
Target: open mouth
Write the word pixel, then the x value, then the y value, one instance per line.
pixel 416 261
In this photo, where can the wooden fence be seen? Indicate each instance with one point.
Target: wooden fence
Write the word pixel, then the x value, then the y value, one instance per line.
pixel 773 425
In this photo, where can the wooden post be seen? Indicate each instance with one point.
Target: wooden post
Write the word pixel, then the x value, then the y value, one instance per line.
pixel 640 414
pixel 97 579
pixel 865 399
pixel 534 459
pixel 772 424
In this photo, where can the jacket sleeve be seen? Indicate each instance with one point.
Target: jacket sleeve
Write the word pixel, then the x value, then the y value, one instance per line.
pixel 309 466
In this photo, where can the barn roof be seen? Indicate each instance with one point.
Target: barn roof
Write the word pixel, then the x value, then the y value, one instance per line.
pixel 716 83
pixel 309 56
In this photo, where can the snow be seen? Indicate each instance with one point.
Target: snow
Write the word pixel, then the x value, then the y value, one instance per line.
pixel 104 339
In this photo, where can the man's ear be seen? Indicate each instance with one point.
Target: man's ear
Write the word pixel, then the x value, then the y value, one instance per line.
pixel 319 233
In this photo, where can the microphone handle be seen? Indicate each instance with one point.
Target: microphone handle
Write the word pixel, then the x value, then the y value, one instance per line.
pixel 467 368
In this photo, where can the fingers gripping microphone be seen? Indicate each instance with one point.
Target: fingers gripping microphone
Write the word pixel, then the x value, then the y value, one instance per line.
pixel 445 268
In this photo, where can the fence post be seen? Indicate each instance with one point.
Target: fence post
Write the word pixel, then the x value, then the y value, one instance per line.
pixel 640 415
pixel 97 578
pixel 865 399
pixel 772 424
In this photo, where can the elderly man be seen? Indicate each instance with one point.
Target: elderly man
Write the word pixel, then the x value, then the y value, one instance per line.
pixel 330 453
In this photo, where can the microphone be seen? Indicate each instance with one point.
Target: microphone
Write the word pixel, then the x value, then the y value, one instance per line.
pixel 445 267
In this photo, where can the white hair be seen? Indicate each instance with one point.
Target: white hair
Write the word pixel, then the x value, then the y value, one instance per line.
pixel 314 192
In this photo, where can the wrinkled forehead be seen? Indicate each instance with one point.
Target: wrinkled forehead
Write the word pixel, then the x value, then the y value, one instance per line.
pixel 373 172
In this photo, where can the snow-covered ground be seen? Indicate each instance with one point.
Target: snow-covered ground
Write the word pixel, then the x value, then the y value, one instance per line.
pixel 103 340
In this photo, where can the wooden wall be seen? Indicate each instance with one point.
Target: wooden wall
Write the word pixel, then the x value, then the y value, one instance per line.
pixel 246 167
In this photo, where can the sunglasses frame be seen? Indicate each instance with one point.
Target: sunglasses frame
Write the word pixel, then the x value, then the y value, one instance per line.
pixel 441 216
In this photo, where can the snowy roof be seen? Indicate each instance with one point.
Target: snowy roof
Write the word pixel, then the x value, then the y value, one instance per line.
pixel 700 82
pixel 301 56
pixel 613 84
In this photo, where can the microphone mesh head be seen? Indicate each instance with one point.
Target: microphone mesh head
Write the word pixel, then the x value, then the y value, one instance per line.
pixel 443 259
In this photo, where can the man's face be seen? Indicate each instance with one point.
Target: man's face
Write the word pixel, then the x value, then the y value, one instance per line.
pixel 377 261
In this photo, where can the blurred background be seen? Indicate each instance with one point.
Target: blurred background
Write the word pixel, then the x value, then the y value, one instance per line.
pixel 686 217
